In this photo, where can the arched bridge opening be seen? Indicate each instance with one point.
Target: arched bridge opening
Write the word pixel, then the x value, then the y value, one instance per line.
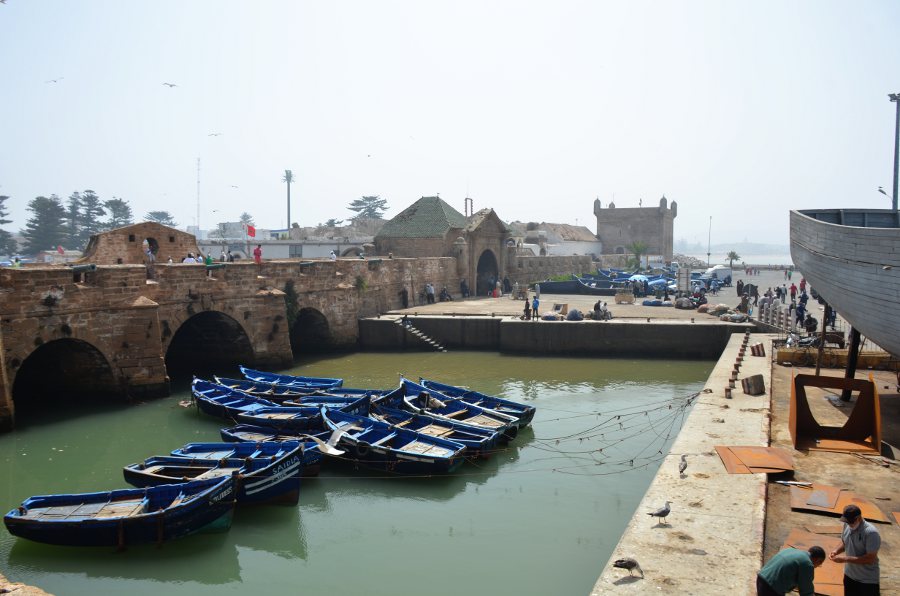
pixel 61 376
pixel 208 343
pixel 311 332
pixel 488 272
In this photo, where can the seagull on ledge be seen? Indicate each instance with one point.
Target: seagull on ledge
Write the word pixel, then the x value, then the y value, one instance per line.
pixel 629 564
pixel 663 512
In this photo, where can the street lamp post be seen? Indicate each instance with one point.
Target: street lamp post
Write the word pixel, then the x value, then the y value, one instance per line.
pixel 895 98
pixel 708 243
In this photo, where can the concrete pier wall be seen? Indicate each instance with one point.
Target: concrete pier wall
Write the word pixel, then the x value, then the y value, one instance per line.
pixel 627 338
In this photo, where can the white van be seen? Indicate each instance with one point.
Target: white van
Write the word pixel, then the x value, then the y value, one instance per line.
pixel 720 272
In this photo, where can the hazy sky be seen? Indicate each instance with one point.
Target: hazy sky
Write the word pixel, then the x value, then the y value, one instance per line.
pixel 735 110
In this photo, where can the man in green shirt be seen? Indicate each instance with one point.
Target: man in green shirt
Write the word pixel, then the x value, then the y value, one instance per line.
pixel 789 569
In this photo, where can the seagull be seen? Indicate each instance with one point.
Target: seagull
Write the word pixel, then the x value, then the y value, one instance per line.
pixel 214 134
pixel 663 512
pixel 170 85
pixel 53 80
pixel 629 564
pixel 881 190
pixel 683 465
pixel 329 447
pixel 234 186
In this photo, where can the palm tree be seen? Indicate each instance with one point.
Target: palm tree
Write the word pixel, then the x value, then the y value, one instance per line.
pixel 638 249
pixel 732 257
pixel 288 177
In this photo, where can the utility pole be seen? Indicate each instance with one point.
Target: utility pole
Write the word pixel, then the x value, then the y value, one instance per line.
pixel 288 178
pixel 895 98
pixel 708 243
pixel 198 198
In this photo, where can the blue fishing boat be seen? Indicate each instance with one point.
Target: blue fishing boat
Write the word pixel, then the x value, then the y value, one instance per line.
pixel 125 517
pixel 479 442
pixel 222 402
pixel 259 479
pixel 523 413
pixel 283 418
pixel 376 444
pixel 247 436
pixel 289 380
pixel 416 398
pixel 270 391
pixel 338 400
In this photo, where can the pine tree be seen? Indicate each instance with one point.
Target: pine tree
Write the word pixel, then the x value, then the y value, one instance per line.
pixel 247 219
pixel 8 246
pixel 368 207
pixel 73 220
pixel 47 228
pixel 91 213
pixel 161 217
pixel 119 214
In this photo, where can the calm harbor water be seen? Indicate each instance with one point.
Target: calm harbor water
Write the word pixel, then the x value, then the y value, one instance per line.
pixel 539 517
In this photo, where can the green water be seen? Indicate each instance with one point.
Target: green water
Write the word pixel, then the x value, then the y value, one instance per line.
pixel 540 517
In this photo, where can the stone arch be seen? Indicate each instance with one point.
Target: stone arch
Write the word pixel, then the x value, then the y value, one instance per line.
pixel 486 271
pixel 311 332
pixel 620 250
pixel 353 251
pixel 64 371
pixel 208 342
pixel 153 245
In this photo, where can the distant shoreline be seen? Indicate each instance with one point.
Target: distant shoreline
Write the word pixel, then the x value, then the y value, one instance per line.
pixel 774 260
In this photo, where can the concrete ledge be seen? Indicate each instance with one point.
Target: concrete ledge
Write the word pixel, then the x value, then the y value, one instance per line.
pixel 714 539
pixel 662 338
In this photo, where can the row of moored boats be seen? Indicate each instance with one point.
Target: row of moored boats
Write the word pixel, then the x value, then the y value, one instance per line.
pixel 286 425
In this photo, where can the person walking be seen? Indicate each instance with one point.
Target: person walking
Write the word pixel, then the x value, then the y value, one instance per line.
pixel 789 569
pixel 860 542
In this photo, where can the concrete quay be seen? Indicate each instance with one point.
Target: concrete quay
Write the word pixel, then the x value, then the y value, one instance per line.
pixel 712 542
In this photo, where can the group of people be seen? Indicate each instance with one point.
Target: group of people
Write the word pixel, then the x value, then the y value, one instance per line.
pixel 794 568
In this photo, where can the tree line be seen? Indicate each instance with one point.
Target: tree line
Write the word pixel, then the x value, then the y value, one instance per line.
pixel 70 224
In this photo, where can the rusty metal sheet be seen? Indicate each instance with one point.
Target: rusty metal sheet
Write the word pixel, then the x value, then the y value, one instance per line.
pixel 835 529
pixel 829 578
pixel 870 511
pixel 755 460
pixel 732 464
pixel 822 497
pixel 896 515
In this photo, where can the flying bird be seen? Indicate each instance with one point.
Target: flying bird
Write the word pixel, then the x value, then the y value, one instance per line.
pixel 234 186
pixel 682 466
pixel 629 564
pixel 214 134
pixel 881 190
pixel 170 85
pixel 663 512
pixel 52 80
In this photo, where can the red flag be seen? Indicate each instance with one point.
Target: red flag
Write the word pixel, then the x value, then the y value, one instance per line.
pixel 60 250
pixel 251 231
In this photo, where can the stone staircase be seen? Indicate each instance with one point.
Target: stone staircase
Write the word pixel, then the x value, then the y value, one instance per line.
pixel 418 333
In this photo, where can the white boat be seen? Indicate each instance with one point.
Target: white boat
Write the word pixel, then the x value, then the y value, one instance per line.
pixel 851 257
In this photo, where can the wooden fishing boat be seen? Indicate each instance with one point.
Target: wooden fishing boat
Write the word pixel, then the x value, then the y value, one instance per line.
pixel 851 257
pixel 259 479
pixel 417 398
pixel 379 445
pixel 222 402
pixel 479 442
pixel 270 391
pixel 337 401
pixel 289 380
pixel 247 436
pixel 125 517
pixel 523 413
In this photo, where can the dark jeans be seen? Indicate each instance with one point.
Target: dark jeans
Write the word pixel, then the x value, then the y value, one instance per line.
pixel 855 588
pixel 764 589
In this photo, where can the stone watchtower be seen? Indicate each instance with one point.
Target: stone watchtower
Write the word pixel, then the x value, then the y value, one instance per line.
pixel 619 227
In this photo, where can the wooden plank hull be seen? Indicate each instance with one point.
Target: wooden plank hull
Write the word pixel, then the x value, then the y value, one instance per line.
pixel 852 259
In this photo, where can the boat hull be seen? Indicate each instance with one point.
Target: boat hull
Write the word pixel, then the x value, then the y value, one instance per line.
pixel 852 259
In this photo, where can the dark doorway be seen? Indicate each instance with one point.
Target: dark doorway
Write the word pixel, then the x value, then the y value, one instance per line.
pixel 65 373
pixel 310 332
pixel 207 343
pixel 487 273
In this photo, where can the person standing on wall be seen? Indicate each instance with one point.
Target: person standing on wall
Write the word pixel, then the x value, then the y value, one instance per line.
pixel 257 254
pixel 534 307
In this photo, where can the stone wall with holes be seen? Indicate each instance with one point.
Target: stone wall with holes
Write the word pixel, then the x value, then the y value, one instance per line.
pixel 130 319
pixel 126 245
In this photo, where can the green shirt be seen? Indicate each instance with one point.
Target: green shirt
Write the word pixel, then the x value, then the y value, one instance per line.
pixel 789 569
